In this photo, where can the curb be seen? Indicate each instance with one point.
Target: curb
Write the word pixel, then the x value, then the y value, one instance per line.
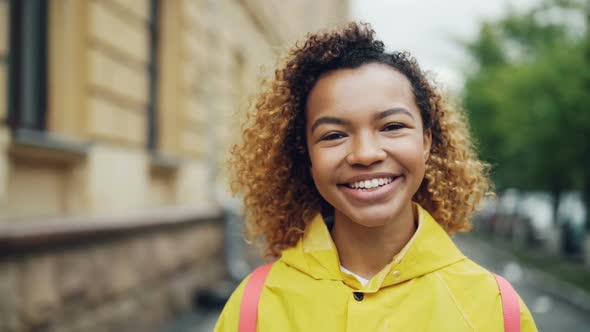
pixel 558 288
pixel 545 281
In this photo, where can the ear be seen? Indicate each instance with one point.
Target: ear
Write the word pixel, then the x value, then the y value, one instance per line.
pixel 427 143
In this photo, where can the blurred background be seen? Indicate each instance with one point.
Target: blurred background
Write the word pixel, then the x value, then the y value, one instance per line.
pixel 116 117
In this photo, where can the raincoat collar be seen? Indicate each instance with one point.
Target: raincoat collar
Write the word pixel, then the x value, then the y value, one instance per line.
pixel 429 249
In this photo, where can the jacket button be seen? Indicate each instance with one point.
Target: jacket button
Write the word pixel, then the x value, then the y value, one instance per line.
pixel 358 296
pixel 396 274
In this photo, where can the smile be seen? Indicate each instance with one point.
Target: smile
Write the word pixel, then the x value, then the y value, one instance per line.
pixel 373 190
pixel 369 184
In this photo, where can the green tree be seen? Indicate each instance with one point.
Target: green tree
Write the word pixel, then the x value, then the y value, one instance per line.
pixel 528 99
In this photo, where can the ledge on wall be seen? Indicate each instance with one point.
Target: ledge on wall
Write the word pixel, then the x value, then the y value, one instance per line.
pixel 37 146
pixel 40 234
pixel 163 164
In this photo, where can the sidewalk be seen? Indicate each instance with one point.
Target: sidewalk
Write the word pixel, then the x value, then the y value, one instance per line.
pixel 197 321
pixel 550 274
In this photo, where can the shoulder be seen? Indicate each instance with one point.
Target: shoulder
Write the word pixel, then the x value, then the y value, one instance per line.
pixel 476 293
pixel 467 273
pixel 230 315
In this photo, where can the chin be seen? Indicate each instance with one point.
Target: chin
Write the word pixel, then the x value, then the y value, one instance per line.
pixel 372 218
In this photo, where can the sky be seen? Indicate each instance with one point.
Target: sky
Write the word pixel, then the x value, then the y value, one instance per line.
pixel 428 28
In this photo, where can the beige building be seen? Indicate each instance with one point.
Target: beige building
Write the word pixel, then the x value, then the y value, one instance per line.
pixel 115 120
pixel 119 105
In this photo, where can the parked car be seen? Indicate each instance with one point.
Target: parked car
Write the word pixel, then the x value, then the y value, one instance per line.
pixel 507 210
pixel 534 220
pixel 571 216
pixel 485 218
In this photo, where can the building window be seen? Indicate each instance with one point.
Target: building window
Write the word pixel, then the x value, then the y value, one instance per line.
pixel 152 117
pixel 28 64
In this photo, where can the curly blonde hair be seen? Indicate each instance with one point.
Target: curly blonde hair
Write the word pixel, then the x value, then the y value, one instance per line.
pixel 270 166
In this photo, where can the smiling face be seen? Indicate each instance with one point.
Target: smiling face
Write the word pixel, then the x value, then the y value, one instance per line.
pixel 366 143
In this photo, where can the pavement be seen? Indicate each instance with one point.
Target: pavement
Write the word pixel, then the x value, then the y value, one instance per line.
pixel 202 320
pixel 555 305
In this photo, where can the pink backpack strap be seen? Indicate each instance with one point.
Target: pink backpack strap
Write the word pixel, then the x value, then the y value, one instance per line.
pixel 510 305
pixel 249 306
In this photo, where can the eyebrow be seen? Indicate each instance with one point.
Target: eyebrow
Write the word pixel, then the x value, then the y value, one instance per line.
pixel 378 116
pixel 328 120
pixel 392 111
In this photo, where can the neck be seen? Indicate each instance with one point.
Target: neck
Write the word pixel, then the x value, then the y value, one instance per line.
pixel 366 250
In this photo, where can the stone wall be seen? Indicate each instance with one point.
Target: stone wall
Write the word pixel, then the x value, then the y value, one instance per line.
pixel 128 282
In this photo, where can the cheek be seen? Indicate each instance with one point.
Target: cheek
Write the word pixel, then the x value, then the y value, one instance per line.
pixel 324 165
pixel 314 164
pixel 319 168
pixel 410 154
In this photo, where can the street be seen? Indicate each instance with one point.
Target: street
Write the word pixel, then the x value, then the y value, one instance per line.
pixel 552 314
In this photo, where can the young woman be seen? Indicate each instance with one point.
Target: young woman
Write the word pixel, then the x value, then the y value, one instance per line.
pixel 354 170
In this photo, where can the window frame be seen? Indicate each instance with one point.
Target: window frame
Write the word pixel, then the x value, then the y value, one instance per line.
pixel 28 64
pixel 152 116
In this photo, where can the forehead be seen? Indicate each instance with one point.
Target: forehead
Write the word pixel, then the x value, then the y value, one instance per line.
pixel 371 87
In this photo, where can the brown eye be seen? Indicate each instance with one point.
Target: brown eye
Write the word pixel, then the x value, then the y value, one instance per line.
pixel 393 126
pixel 332 136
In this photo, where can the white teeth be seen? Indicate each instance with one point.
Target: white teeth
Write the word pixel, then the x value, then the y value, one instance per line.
pixel 368 184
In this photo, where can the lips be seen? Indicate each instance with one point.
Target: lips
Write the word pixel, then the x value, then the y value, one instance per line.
pixel 363 178
pixel 369 184
pixel 372 194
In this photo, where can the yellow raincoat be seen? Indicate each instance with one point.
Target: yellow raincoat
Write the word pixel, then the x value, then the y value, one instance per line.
pixel 428 286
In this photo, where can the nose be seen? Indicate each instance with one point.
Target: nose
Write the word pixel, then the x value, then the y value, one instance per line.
pixel 366 150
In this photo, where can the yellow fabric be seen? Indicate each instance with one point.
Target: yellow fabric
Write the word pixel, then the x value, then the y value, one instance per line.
pixel 429 286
